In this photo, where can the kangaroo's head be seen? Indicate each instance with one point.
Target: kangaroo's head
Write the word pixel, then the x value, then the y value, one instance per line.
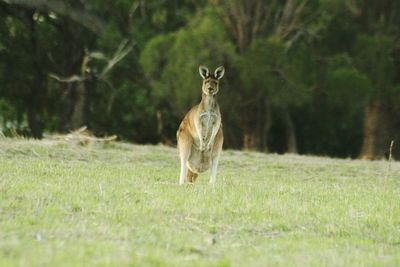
pixel 211 81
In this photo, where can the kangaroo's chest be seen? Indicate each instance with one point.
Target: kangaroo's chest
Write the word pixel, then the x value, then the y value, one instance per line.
pixel 208 120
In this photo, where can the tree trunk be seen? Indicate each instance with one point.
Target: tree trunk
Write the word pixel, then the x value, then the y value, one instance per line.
pixel 77 119
pixel 66 105
pixel 379 130
pixel 79 108
pixel 266 125
pixel 34 123
pixel 291 141
pixel 371 117
pixel 248 140
pixel 257 129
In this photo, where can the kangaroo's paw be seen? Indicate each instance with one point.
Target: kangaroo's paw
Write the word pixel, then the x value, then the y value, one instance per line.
pixel 208 146
pixel 202 147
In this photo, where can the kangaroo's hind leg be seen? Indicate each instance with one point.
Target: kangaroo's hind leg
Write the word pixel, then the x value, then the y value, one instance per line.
pixel 185 141
pixel 216 153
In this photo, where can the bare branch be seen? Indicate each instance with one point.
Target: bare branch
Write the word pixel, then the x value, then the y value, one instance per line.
pixel 257 19
pixel 296 18
pixel 81 136
pixel 123 50
pixel 352 6
pixel 134 7
pixel 290 19
pixel 71 79
pixel 98 55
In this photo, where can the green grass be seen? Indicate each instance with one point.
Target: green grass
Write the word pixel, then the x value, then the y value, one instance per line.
pixel 120 205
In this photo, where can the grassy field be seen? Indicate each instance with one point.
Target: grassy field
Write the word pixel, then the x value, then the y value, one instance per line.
pixel 120 205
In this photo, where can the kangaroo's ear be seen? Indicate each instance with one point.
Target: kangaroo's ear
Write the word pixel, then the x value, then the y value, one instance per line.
pixel 204 72
pixel 219 72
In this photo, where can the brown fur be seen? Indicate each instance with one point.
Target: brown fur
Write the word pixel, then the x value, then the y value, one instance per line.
pixel 200 135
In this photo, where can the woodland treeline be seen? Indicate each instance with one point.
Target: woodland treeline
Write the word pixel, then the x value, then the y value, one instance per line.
pixel 302 76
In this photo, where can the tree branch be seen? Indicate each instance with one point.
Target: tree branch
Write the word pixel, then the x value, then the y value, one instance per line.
pixel 71 79
pixel 123 49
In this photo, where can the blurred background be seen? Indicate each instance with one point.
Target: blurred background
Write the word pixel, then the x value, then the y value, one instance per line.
pixel 302 76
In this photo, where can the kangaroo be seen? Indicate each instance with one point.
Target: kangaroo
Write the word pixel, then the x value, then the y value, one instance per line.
pixel 200 136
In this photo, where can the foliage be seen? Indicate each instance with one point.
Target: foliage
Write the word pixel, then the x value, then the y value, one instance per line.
pixel 202 42
pixel 346 85
pixel 291 65
pixel 374 57
pixel 270 69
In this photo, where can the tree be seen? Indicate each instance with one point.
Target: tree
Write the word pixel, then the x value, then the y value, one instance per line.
pixel 374 56
pixel 281 24
pixel 177 86
pixel 272 84
pixel 307 76
pixel 41 21
pixel 376 50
